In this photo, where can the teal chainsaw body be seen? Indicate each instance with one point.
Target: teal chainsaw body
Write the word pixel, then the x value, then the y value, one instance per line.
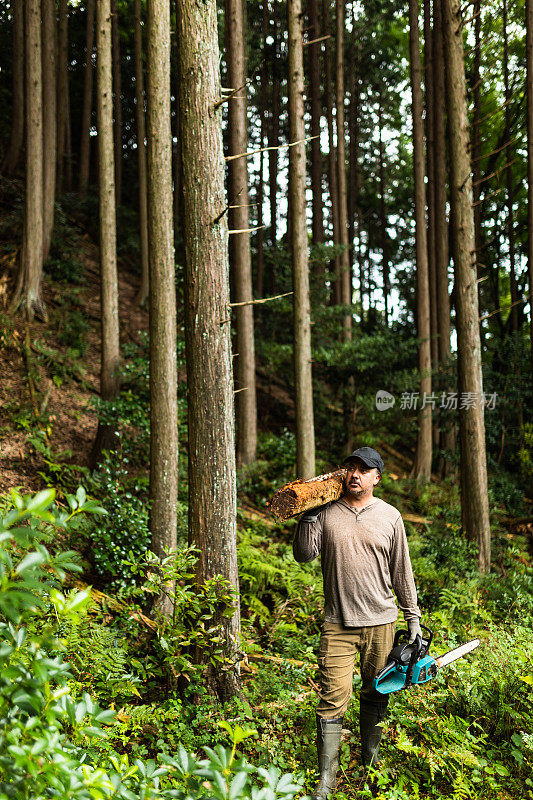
pixel 411 664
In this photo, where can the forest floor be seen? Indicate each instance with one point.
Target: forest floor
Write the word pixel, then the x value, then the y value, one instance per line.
pixel 468 735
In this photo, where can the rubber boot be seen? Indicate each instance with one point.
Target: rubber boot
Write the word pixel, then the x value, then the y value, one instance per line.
pixel 328 742
pixel 370 715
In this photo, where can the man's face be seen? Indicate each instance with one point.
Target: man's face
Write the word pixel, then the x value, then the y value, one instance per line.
pixel 360 480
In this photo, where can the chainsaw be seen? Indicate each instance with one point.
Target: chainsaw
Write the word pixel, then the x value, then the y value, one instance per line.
pixel 411 664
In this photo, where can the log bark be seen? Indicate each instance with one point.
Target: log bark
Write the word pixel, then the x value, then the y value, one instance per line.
pixel 240 254
pixel 212 495
pixel 85 144
pixel 474 487
pixel 305 434
pixel 144 288
pixel 299 496
pixel 106 437
pixel 17 120
pixel 163 357
pixel 49 51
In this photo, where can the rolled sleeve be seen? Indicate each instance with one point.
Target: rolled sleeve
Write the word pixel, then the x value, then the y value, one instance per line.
pixel 401 573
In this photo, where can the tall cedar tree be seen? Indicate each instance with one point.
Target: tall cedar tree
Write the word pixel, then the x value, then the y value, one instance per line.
pixel 85 141
pixel 110 351
pixel 509 172
pixel 28 290
pixel 430 193
pixel 447 440
pixel 49 51
pixel 422 463
pixel 212 492
pixel 64 155
pixel 260 193
pixel 529 65
pixel 240 255
pixel 345 276
pixel 305 428
pixel 142 296
pixel 474 487
pixel 163 356
pixel 17 121
pixel 316 112
pixel 332 162
pixel 117 100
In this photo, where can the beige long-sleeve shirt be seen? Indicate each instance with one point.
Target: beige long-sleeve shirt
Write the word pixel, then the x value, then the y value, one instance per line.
pixel 365 561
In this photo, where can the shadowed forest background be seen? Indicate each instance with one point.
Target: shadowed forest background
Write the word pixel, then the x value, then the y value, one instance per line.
pixel 237 241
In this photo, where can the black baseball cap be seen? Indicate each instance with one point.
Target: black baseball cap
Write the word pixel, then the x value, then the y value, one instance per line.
pixel 368 456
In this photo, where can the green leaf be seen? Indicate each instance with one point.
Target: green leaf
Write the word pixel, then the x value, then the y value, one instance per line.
pixel 29 561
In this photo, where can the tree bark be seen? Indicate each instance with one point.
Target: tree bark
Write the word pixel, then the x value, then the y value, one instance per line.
pixel 422 463
pixel 345 272
pixel 212 496
pixel 509 176
pixel 85 147
pixel 305 432
pixel 260 269
pixel 106 435
pixel 316 111
pixel 142 296
pixel 383 213
pixel 176 149
pixel 17 120
pixel 354 184
pixel 476 144
pixel 163 358
pixel 117 100
pixel 64 167
pixel 240 244
pixel 273 139
pixel 332 163
pixel 49 49
pixel 529 81
pixel 474 488
pixel 448 436
pixel 430 193
pixel 28 290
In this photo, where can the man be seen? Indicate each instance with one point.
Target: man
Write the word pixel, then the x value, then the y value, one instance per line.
pixel 364 557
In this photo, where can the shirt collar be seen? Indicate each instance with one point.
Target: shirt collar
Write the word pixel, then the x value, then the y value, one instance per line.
pixel 359 510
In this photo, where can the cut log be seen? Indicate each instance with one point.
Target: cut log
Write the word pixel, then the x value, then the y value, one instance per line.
pixel 299 496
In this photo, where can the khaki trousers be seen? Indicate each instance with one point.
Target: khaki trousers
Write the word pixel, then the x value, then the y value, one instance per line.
pixel 336 660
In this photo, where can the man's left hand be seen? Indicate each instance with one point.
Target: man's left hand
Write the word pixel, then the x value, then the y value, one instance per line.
pixel 414 629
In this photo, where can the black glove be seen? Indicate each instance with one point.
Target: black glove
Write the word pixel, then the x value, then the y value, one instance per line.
pixel 414 629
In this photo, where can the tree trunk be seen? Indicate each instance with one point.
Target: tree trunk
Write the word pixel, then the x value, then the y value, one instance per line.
pixel 49 48
pixel 509 176
pixel 305 432
pixel 430 194
pixel 28 290
pixel 106 435
pixel 316 110
pixel 273 139
pixel 85 148
pixel 176 149
pixel 383 214
pixel 163 359
pixel 240 243
pixel 441 228
pixel 474 488
pixel 17 120
pixel 476 145
pixel 422 463
pixel 354 184
pixel 260 269
pixel 117 100
pixel 212 496
pixel 346 277
pixel 64 167
pixel 332 164
pixel 529 65
pixel 142 296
